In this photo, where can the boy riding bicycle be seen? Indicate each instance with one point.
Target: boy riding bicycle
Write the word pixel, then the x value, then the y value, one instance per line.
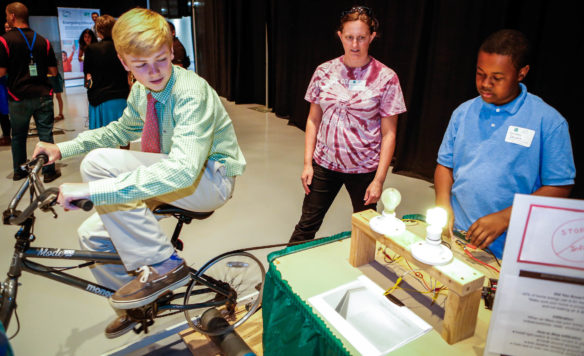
pixel 190 157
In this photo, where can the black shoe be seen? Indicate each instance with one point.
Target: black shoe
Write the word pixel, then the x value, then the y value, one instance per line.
pixel 5 141
pixel 19 174
pixel 49 177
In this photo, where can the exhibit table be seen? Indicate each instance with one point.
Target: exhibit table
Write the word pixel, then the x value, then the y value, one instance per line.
pixel 292 326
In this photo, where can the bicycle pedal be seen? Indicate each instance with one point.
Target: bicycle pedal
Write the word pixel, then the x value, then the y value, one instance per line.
pixel 165 298
pixel 143 326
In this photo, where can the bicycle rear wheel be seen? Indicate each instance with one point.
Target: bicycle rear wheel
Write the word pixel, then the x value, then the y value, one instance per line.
pixel 240 273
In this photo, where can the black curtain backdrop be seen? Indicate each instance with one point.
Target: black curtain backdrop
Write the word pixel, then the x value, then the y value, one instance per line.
pixel 231 48
pixel 432 46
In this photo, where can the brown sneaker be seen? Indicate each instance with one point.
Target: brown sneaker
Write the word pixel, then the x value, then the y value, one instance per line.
pixel 148 286
pixel 121 325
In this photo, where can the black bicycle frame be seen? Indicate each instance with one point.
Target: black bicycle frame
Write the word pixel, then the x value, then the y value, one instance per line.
pixel 20 262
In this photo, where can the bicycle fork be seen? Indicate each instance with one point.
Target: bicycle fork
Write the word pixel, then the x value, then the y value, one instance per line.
pixel 8 290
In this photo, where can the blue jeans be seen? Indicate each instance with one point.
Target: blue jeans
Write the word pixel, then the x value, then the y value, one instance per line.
pixel 41 109
pixel 323 190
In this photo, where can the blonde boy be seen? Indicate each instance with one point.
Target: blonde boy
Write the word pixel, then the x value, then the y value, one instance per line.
pixel 189 158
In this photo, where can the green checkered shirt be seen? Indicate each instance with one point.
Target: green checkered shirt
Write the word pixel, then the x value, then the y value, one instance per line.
pixel 194 127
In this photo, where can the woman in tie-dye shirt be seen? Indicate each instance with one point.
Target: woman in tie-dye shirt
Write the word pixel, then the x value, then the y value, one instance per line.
pixel 350 131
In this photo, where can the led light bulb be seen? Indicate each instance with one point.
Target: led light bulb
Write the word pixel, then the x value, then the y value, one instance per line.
pixel 431 251
pixel 390 199
pixel 387 223
pixel 436 219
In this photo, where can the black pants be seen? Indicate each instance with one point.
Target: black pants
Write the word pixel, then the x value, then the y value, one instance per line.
pixel 323 190
pixel 5 123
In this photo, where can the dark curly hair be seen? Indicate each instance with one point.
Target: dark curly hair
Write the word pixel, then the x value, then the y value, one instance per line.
pixel 509 43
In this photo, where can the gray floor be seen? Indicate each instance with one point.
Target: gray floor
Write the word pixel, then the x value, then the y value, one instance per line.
pixel 56 319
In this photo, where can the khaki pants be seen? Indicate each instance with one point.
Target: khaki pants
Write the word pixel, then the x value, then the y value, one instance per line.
pixel 132 229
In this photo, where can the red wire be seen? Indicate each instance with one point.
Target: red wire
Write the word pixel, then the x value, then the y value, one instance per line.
pixel 479 261
pixel 419 275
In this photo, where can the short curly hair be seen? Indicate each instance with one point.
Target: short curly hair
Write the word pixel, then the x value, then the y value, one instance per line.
pixel 509 43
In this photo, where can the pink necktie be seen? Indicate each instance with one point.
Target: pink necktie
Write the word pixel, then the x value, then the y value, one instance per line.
pixel 150 134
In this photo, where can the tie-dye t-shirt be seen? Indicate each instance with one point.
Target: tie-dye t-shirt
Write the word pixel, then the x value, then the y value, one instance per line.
pixel 353 101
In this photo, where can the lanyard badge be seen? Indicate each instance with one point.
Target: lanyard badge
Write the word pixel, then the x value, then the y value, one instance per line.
pixel 32 68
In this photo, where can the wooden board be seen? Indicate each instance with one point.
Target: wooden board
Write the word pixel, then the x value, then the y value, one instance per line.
pixel 463 281
pixel 457 275
pixel 250 331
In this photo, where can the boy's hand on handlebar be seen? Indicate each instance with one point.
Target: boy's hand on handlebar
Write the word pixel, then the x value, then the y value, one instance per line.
pixel 69 192
pixel 50 149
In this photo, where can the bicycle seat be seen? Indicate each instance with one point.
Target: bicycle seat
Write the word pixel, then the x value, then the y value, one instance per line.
pixel 167 209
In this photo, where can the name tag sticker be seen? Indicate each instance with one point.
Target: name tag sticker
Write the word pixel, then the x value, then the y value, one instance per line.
pixel 357 85
pixel 520 136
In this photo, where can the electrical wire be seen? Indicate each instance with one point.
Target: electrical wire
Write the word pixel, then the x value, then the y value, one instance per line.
pixel 17 324
pixel 492 254
pixel 57 269
pixel 466 248
pixel 418 274
pixel 469 254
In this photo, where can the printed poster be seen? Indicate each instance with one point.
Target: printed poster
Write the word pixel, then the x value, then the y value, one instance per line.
pixel 539 304
pixel 72 22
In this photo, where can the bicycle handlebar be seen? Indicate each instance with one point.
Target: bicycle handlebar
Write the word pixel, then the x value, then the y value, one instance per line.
pixel 84 204
pixel 45 199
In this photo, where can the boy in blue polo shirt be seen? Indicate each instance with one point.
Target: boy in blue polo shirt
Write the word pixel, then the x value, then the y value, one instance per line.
pixel 505 141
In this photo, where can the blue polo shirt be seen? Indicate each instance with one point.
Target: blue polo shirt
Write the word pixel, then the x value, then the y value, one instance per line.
pixel 498 151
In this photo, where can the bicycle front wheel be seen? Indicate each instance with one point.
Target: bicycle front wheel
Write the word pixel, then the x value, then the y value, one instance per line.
pixel 241 275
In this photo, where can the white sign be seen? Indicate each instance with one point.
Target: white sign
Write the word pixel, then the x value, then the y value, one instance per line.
pixel 539 304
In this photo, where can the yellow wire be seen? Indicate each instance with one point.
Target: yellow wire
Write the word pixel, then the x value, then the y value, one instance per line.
pixel 390 290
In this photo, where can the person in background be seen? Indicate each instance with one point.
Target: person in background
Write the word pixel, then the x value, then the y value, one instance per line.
pixel 86 38
pixel 503 142
pixel 190 158
pixel 27 58
pixel 180 54
pixel 94 16
pixel 4 118
pixel 56 82
pixel 350 131
pixel 109 87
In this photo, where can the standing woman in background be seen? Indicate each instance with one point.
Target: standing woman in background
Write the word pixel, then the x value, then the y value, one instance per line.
pixel 87 37
pixel 108 87
pixel 350 130
pixel 4 118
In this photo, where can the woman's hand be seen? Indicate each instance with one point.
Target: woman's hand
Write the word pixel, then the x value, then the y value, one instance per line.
pixel 373 192
pixel 306 178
